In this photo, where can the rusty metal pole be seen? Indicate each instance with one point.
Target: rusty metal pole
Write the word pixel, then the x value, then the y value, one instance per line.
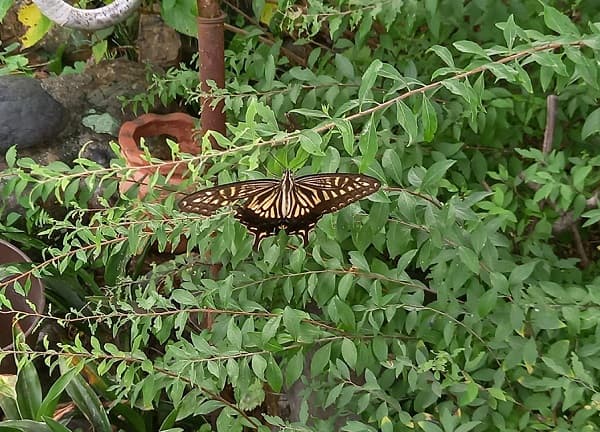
pixel 211 51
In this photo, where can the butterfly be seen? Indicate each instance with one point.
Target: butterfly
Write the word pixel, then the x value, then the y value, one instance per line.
pixel 291 204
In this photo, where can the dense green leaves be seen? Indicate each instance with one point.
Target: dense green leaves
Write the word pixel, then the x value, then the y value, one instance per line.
pixel 458 288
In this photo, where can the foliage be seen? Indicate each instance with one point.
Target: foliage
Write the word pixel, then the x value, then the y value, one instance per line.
pixel 451 300
pixel 12 63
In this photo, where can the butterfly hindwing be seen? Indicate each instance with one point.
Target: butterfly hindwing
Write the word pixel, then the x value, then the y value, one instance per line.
pixel 294 205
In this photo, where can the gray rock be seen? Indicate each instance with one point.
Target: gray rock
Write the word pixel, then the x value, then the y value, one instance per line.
pixel 29 116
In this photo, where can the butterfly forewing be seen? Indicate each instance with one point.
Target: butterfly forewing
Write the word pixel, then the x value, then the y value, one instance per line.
pixel 292 205
pixel 207 201
pixel 326 193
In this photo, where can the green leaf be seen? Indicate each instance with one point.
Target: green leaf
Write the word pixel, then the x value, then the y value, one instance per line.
pixel 368 79
pixel 469 259
pixel 392 164
pixel 181 15
pixel 345 314
pixel 349 352
pixel 99 50
pixel 466 427
pixel 23 426
pixel 52 397
pixel 487 302
pixel 4 7
pixel 345 128
pixel 29 391
pixel 521 273
pixel 558 22
pixel 310 141
pixel 234 334
pixel 269 71
pixel 429 426
pixel 546 319
pixel 368 145
pixel 591 125
pixel 345 284
pixel 54 425
pixel 470 47
pixel 259 365
pixel 344 66
pixel 444 54
pixel 11 156
pixel 88 403
pixel 593 217
pixel 184 297
pixel 429 119
pixel 294 368
pixel 320 360
pixel 510 31
pixel 273 375
pixel 291 320
pixel 407 119
pixel 270 329
pixel 435 173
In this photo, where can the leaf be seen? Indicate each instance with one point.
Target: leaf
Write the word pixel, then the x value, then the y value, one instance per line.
pixel 368 79
pixel 345 128
pixel 344 66
pixel 269 71
pixel 54 425
pixel 510 31
pixel 407 119
pixel 470 47
pixel 259 365
pixel 23 426
pixel 87 401
pixel 593 217
pixel 273 375
pixel 434 175
pixel 38 24
pixel 444 54
pixel 52 397
pixel 591 124
pixel 429 119
pixel 469 259
pixel 349 352
pixel 521 272
pixel 429 426
pixel 99 50
pixel 392 164
pixel 29 391
pixel 11 156
pixel 4 7
pixel 294 368
pixel 181 15
pixel 184 297
pixel 270 329
pixel 320 360
pixel 310 141
pixel 558 22
pixel 368 145
pixel 234 334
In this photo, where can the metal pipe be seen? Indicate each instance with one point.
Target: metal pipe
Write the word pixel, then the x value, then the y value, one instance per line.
pixel 211 51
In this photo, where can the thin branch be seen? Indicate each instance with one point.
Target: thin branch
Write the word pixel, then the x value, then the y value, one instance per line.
pixel 551 104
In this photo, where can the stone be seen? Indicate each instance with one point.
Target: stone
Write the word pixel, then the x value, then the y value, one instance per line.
pixel 29 116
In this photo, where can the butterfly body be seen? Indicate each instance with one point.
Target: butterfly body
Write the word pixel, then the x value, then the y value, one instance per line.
pixel 292 204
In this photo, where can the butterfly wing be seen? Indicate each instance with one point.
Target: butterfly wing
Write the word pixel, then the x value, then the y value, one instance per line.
pixel 310 198
pixel 207 201
pixel 326 193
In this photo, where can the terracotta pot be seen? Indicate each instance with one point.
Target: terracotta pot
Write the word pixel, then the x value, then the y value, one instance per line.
pixel 10 254
pixel 179 126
